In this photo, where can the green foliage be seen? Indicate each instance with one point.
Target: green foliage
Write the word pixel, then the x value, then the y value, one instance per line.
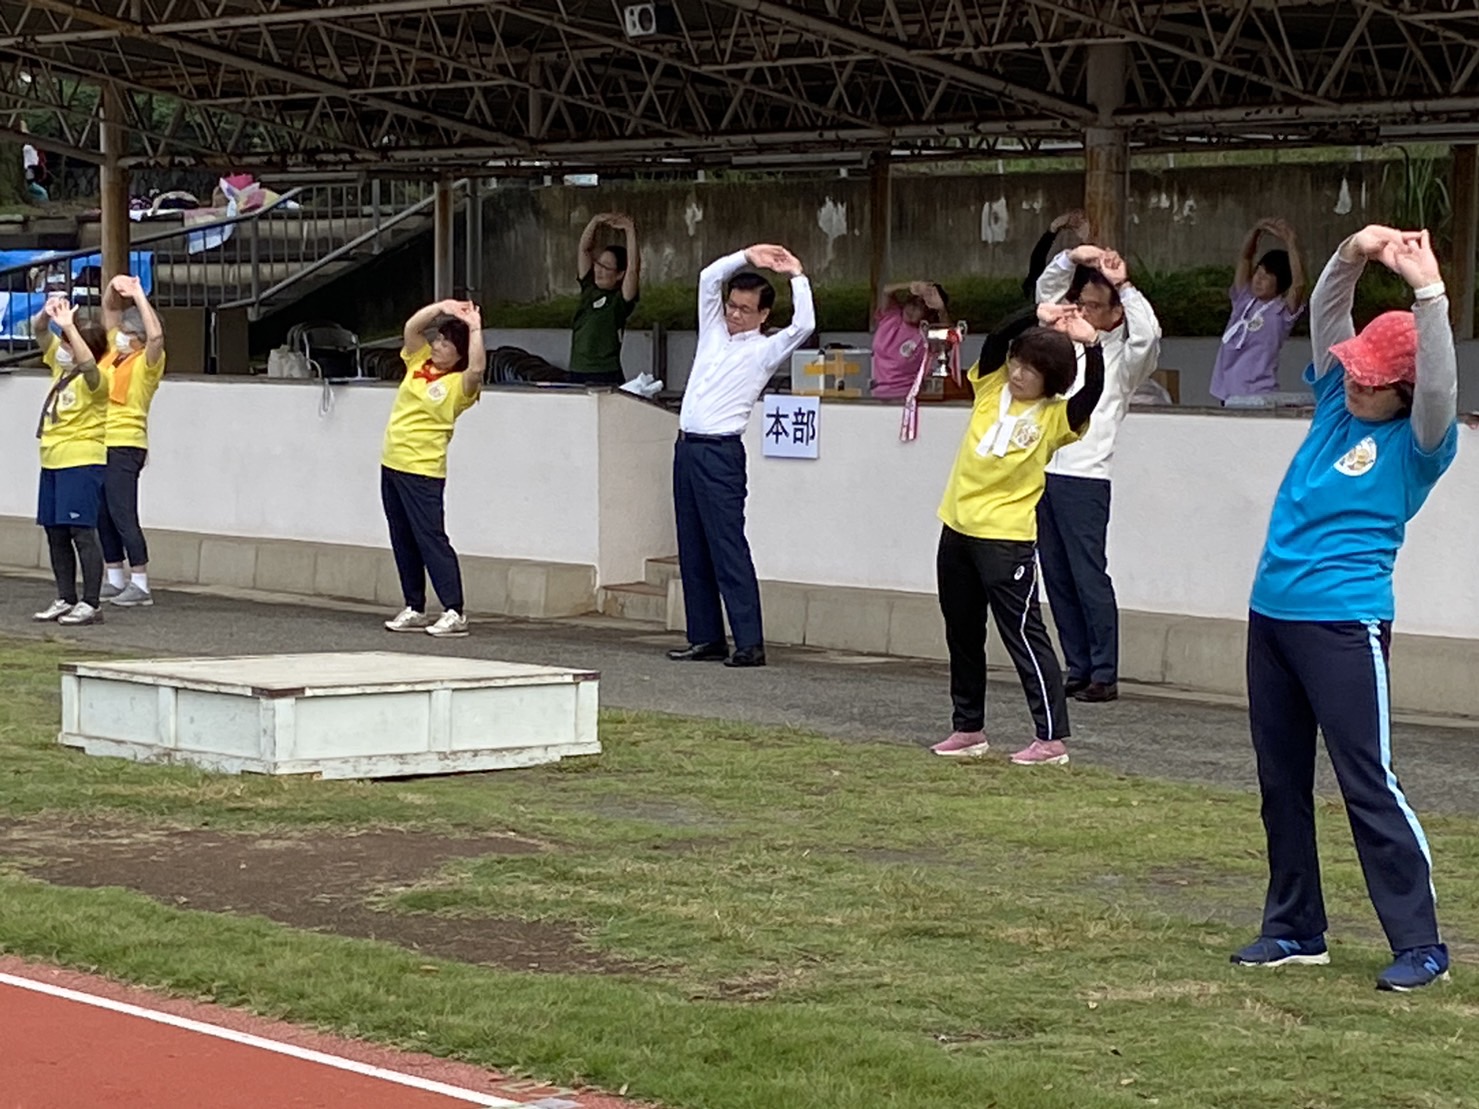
pixel 1418 191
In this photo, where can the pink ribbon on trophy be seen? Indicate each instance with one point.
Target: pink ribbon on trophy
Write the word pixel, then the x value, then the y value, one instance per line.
pixel 909 424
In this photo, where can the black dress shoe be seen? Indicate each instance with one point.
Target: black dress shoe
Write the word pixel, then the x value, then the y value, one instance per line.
pixel 1074 686
pixel 750 656
pixel 1098 692
pixel 700 652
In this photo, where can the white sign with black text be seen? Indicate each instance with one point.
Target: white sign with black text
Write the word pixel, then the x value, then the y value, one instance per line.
pixel 792 427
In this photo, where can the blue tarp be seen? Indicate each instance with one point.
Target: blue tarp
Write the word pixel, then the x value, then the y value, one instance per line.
pixel 19 307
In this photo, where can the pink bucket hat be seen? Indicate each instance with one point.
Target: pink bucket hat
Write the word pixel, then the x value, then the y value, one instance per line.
pixel 1384 353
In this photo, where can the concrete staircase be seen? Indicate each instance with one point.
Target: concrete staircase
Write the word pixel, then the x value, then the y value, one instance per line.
pixel 645 600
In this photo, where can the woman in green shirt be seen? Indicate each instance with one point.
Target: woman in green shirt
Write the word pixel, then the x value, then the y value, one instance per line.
pixel 610 282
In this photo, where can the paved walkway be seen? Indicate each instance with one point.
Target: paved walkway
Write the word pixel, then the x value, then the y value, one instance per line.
pixel 851 697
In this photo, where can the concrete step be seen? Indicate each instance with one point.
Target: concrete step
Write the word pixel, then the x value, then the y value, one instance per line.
pixel 660 571
pixel 638 600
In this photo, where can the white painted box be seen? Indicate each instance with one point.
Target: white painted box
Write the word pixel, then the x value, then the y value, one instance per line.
pixel 343 715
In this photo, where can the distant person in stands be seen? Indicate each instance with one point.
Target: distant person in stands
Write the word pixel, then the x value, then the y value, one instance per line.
pixel 1076 224
pixel 1320 621
pixel 986 561
pixel 73 460
pixel 1267 301
pixel 734 361
pixel 133 368
pixel 610 283
pixel 33 163
pixel 898 346
pixel 1073 515
pixel 442 380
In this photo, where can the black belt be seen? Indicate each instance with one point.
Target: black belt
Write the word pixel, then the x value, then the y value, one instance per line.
pixel 690 437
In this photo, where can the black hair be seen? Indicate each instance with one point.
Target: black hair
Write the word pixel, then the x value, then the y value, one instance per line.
pixel 620 254
pixel 1088 275
pixel 1404 393
pixel 95 335
pixel 748 282
pixel 1276 264
pixel 455 332
pixel 1051 354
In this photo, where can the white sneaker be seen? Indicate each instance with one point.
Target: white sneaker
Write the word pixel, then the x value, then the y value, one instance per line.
pixel 52 611
pixel 408 620
pixel 450 623
pixel 131 596
pixel 83 613
pixel 109 590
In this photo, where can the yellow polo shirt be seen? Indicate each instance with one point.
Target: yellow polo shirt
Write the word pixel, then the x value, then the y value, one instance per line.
pixel 76 436
pixel 995 497
pixel 426 406
pixel 132 384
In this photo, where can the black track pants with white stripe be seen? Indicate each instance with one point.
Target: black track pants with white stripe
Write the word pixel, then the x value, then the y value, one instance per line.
pixel 1000 576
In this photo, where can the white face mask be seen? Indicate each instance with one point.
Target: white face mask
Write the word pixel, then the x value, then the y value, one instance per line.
pixel 123 342
pixel 64 357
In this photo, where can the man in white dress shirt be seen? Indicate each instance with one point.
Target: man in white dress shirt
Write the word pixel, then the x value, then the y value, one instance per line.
pixel 1073 514
pixel 733 363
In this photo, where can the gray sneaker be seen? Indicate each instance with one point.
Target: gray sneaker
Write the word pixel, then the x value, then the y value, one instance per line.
pixel 109 591
pixel 131 596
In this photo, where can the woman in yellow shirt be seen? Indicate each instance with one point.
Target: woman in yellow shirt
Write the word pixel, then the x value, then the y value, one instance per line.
pixel 73 460
pixel 443 379
pixel 133 370
pixel 988 546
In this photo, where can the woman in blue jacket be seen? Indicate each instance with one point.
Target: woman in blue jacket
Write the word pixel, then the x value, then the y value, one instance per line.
pixel 1319 633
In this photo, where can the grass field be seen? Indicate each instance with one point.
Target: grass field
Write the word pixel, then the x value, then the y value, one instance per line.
pixel 788 920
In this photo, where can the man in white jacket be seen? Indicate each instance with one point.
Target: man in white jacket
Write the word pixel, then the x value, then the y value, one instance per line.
pixel 1073 515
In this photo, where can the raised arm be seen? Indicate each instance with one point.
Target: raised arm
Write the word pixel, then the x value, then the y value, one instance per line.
pixel 83 363
pixel 1298 279
pixel 115 297
pixel 994 351
pixel 711 288
pixel 1073 220
pixel 803 310
pixel 1054 283
pixel 631 283
pixel 1082 404
pixel 1331 299
pixel 1142 328
pixel 584 261
pixel 41 327
pixel 413 338
pixel 1435 392
pixel 153 331
pixel 1243 275
pixel 477 357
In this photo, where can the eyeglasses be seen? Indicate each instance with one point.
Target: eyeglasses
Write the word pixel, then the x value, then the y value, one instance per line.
pixel 740 309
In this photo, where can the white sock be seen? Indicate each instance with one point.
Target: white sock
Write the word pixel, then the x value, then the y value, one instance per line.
pixel 116 576
pixel 141 579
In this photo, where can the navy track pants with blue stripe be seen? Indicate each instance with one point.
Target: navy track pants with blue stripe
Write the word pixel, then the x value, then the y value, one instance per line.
pixel 1334 677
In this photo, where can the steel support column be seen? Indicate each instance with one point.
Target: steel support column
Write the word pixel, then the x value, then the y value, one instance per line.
pixel 880 228
pixel 1464 190
pixel 114 187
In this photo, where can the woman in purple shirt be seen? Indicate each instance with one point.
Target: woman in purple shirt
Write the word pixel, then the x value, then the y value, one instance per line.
pixel 1267 300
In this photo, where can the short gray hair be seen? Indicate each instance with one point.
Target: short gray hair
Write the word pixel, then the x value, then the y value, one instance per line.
pixel 132 322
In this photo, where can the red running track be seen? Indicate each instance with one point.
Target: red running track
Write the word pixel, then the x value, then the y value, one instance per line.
pixel 70 1041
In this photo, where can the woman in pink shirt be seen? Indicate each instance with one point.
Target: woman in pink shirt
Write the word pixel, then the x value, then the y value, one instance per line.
pixel 1267 301
pixel 897 343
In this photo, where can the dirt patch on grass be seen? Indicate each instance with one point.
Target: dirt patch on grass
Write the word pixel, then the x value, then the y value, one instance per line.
pixel 318 881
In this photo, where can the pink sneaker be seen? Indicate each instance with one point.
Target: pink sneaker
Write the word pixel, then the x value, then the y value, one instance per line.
pixel 1042 752
pixel 962 745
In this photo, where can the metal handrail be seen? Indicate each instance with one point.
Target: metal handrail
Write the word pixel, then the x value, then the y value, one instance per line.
pixel 145 240
pixel 340 251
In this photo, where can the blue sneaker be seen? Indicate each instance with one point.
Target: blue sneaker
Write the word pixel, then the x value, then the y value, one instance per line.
pixel 1266 951
pixel 1415 968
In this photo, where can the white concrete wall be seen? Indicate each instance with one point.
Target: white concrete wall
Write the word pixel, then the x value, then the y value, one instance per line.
pixel 575 477
pixel 553 476
pixel 1192 496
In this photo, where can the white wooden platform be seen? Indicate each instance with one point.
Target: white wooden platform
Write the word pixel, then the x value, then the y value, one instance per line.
pixel 361 715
